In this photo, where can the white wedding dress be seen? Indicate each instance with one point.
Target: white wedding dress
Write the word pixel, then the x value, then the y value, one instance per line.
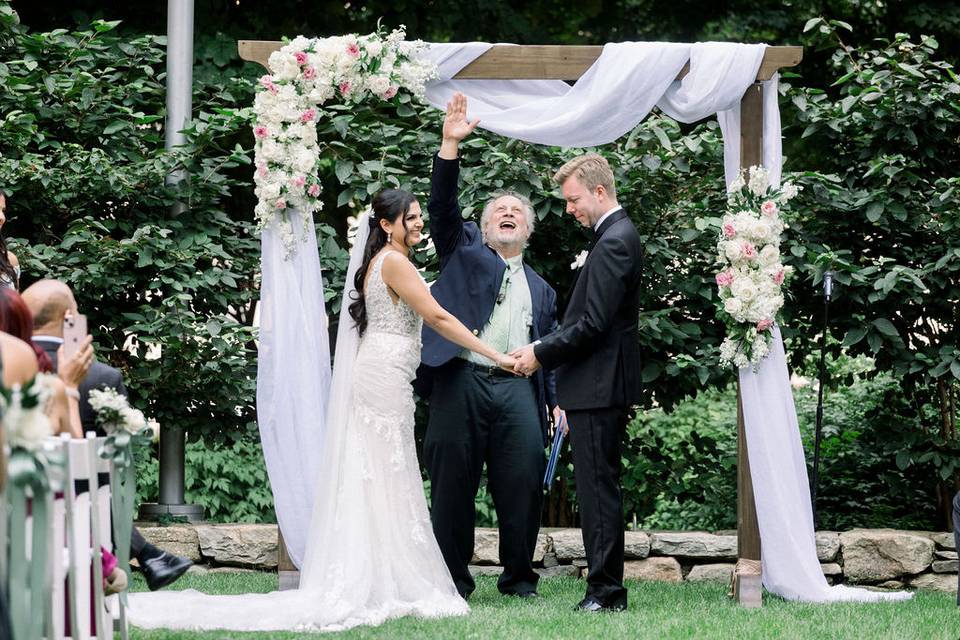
pixel 371 552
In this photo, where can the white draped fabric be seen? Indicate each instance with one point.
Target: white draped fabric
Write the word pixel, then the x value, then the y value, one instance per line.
pixel 293 375
pixel 616 93
pixel 782 491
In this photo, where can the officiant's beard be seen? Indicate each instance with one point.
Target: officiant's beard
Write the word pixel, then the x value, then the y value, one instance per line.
pixel 506 242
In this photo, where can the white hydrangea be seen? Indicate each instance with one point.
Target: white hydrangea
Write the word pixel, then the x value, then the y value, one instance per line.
pixel 759 181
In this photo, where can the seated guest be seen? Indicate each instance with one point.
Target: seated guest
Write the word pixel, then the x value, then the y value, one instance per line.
pixel 63 407
pixel 19 366
pixel 9 265
pixel 50 302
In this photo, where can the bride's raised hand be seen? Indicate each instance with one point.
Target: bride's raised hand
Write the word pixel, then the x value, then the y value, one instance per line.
pixel 455 123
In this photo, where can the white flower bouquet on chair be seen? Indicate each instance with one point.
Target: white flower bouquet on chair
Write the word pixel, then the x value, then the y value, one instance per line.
pixel 751 276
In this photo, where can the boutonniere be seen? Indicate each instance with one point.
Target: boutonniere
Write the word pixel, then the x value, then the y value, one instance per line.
pixel 579 260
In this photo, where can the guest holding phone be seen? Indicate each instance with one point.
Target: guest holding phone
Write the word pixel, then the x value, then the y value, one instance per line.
pixel 63 407
pixel 57 323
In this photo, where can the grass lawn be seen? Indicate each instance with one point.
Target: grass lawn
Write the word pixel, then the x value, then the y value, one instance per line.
pixel 657 610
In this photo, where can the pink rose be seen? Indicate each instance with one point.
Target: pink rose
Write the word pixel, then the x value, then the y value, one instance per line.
pixel 262 170
pixel 299 181
pixel 389 93
pixel 309 115
pixel 728 230
pixel 309 73
pixel 353 49
pixel 313 191
pixel 779 276
pixel 748 250
pixel 763 325
pixel 724 279
pixel 301 58
pixel 260 132
pixel 769 208
pixel 268 83
pixel 345 87
pixel 280 203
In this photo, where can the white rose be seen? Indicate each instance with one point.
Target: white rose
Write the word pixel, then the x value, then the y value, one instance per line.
pixel 760 230
pixel 733 306
pixel 269 190
pixel 304 161
pixel 731 250
pixel 769 255
pixel 378 84
pixel 758 181
pixel 374 48
pixel 744 289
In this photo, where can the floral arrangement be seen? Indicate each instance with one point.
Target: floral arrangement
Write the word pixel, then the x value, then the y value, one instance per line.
pixel 26 432
pixel 306 73
pixel 751 276
pixel 125 426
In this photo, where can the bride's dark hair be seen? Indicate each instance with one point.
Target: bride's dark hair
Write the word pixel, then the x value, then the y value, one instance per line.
pixel 387 205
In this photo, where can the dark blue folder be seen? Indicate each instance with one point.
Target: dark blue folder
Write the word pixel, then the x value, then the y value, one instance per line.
pixel 558 436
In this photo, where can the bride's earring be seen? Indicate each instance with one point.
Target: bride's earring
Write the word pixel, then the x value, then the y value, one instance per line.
pixel 389 237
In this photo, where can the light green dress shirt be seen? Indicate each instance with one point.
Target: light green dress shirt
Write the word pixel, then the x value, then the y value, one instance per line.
pixel 512 317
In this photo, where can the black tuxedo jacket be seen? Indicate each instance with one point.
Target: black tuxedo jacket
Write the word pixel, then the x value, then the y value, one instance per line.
pixel 596 351
pixel 470 277
pixel 100 376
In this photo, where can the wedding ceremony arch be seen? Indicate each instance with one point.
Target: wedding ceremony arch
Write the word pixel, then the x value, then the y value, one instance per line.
pixel 738 83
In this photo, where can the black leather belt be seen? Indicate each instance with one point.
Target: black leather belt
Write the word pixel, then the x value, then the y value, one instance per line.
pixel 486 369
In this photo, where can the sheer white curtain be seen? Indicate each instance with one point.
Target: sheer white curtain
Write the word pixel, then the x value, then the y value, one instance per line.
pixel 293 375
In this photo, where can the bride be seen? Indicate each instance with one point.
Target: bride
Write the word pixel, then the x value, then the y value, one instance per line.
pixel 371 553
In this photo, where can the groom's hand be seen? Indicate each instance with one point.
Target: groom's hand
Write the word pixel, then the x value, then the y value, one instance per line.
pixel 527 363
pixel 456 127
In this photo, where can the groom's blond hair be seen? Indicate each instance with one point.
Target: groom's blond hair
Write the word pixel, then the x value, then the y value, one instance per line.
pixel 591 169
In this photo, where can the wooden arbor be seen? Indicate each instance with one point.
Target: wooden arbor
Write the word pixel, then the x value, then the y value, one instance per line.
pixel 555 62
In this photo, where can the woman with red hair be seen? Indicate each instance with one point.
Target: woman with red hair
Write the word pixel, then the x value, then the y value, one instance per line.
pixel 63 408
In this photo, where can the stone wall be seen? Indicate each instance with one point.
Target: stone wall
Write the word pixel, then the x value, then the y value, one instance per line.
pixel 882 557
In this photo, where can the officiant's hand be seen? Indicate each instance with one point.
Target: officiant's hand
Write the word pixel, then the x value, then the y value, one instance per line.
pixel 527 363
pixel 558 415
pixel 508 363
pixel 456 127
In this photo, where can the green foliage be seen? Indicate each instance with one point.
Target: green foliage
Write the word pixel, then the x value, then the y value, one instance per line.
pixel 228 479
pixel 170 293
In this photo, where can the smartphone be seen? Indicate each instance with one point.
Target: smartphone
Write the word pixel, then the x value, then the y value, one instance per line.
pixel 74 332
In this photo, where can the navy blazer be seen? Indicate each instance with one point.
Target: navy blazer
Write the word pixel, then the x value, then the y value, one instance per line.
pixel 470 277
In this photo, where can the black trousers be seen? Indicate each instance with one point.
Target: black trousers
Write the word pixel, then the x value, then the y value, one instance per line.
pixel 596 436
pixel 475 418
pixel 956 534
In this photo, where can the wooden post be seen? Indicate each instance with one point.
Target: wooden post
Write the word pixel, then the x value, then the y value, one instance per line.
pixel 747 579
pixel 287 572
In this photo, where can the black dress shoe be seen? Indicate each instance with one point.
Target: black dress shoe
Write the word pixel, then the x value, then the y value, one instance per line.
pixel 594 606
pixel 163 569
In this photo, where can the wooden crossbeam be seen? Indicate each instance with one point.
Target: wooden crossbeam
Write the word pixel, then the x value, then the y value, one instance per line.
pixel 537 62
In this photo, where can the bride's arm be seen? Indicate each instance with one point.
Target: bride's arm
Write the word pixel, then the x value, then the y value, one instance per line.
pixel 401 276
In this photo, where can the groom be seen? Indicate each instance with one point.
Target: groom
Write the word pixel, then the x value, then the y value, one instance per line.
pixel 596 355
pixel 480 413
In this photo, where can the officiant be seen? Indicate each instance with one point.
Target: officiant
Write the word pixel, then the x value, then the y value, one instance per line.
pixel 481 414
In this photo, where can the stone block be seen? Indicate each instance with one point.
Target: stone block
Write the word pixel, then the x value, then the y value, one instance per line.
pixel 560 570
pixel 945 566
pixel 636 545
pixel 693 545
pixel 567 544
pixel 250 545
pixel 875 555
pixel 180 540
pixel 719 572
pixel 653 569
pixel 943 582
pixel 828 545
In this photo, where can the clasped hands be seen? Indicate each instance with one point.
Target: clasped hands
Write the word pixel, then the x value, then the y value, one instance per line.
pixel 522 361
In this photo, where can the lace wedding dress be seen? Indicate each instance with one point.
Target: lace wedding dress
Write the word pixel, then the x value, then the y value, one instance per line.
pixel 371 553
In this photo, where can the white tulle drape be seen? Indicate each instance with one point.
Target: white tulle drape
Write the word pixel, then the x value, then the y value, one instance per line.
pixel 616 93
pixel 293 375
pixel 781 489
